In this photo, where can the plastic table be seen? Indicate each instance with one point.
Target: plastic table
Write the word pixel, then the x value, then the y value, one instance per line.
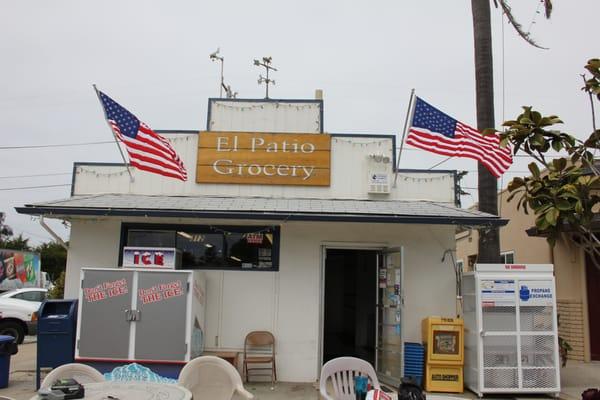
pixel 133 391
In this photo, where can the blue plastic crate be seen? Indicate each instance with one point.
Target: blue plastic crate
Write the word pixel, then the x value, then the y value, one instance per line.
pixel 414 358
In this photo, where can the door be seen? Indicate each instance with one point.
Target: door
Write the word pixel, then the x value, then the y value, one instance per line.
pixel 105 301
pixel 389 354
pixel 161 317
pixel 497 313
pixel 538 339
pixel 593 298
pixel 349 304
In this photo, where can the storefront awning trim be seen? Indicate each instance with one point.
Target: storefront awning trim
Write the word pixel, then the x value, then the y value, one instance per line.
pixel 334 210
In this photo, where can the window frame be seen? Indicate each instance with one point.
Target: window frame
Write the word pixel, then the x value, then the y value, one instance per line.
pixel 471 261
pixel 30 293
pixel 204 229
pixel 503 255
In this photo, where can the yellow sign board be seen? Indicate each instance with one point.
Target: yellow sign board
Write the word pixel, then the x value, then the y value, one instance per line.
pixel 444 378
pixel 264 158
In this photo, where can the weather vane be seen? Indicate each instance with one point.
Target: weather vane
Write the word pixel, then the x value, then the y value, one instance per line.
pixel 266 62
pixel 215 57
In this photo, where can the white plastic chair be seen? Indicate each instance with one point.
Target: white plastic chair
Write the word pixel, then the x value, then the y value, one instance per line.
pixel 212 378
pixel 341 372
pixel 80 372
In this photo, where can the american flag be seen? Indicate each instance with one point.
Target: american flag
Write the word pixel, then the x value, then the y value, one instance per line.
pixel 147 150
pixel 434 131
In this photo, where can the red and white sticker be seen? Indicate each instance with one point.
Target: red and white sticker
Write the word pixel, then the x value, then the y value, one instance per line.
pixel 160 292
pixel 105 290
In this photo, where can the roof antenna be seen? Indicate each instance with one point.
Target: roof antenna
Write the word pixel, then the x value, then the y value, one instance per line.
pixel 266 62
pixel 215 57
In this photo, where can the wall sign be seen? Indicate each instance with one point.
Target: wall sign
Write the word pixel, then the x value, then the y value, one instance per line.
pixel 264 158
pixel 536 293
pixel 160 292
pixel 105 290
pixel 151 257
pixel 498 293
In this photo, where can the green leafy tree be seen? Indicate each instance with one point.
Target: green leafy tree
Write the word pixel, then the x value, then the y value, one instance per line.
pixel 8 241
pixel 58 291
pixel 53 257
pixel 15 243
pixel 564 194
pixel 592 85
pixel 5 230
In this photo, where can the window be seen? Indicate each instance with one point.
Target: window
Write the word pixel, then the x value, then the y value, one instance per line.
pixel 472 260
pixel 211 247
pixel 35 295
pixel 507 257
pixel 137 237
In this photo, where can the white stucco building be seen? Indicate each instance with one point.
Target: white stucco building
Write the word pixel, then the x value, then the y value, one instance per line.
pixel 323 249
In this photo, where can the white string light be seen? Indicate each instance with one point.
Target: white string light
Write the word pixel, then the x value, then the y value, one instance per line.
pixel 276 105
pixel 430 179
pixel 186 138
pixel 297 106
pixel 379 143
pixel 86 171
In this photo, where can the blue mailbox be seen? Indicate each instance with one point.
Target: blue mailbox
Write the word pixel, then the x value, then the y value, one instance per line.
pixel 57 326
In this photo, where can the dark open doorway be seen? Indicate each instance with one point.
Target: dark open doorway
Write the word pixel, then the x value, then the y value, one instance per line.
pixel 349 308
pixel 593 298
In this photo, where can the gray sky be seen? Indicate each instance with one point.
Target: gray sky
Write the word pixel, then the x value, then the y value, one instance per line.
pixel 152 57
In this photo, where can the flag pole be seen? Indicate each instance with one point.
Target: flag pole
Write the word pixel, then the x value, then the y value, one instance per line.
pixel 114 135
pixel 409 113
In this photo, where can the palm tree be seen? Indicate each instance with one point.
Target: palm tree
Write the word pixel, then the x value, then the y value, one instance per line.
pixel 489 239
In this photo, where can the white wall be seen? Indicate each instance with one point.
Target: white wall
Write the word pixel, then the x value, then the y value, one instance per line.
pixel 261 116
pixel 93 243
pixel 350 168
pixel 288 302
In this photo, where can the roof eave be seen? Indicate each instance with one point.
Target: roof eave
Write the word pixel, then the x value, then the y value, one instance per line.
pixel 258 215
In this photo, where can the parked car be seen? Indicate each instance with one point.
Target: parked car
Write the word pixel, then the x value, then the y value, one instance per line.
pixel 19 312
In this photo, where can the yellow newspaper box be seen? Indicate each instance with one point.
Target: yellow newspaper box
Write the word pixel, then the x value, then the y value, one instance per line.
pixel 444 378
pixel 444 340
pixel 444 359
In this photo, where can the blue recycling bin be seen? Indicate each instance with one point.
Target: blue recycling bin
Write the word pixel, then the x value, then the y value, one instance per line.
pixel 57 326
pixel 8 347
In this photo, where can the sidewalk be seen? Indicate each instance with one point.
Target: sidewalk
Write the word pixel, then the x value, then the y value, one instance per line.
pixel 21 381
pixel 575 378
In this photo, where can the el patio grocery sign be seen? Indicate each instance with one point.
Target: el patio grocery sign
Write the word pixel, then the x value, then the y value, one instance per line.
pixel 264 158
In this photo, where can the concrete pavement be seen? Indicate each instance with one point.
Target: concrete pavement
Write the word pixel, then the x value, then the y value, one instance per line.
pixel 575 378
pixel 578 376
pixel 21 382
